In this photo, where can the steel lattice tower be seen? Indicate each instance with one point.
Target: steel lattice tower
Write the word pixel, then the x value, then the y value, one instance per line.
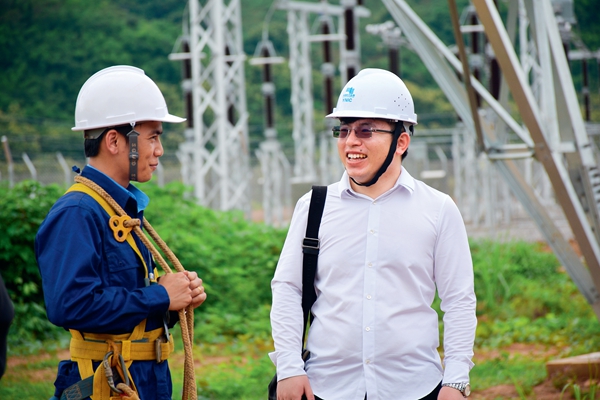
pixel 215 158
pixel 300 38
pixel 552 134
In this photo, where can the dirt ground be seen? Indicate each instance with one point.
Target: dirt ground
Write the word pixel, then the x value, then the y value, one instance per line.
pixel 543 391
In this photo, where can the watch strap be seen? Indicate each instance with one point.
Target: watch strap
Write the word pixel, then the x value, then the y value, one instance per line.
pixel 460 386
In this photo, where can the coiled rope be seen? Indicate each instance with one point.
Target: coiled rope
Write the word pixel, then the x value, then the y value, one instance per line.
pixel 186 316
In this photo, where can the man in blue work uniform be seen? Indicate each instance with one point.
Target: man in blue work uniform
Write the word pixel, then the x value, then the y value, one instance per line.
pixel 99 287
pixel 388 242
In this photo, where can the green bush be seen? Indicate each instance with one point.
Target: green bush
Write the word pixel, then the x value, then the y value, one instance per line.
pixel 525 296
pixel 235 258
pixel 23 209
pixel 504 271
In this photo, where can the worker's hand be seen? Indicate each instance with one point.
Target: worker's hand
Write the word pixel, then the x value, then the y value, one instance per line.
pixel 198 294
pixel 293 388
pixel 178 287
pixel 448 393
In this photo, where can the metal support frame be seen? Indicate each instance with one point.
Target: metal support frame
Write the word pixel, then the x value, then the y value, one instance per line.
pixel 275 166
pixel 9 161
pixel 215 157
pixel 391 36
pixel 275 169
pixel 300 38
pixel 557 139
pixel 330 167
pixel 564 124
pixel 301 98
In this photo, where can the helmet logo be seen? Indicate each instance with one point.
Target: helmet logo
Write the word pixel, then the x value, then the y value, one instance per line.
pixel 348 95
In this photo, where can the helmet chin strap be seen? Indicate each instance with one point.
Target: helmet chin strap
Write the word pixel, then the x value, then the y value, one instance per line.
pixel 134 155
pixel 388 160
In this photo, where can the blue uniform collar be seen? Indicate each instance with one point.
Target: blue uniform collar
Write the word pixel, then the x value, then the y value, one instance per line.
pixel 119 193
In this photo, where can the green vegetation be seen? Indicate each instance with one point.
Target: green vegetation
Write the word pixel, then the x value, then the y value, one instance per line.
pixel 526 301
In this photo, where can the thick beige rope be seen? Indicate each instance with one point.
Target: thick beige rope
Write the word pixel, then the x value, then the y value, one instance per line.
pixel 186 317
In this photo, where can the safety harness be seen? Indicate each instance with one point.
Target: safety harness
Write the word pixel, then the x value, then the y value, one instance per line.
pixel 117 352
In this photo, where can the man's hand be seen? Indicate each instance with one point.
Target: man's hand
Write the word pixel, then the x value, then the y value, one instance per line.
pixel 198 294
pixel 448 393
pixel 178 288
pixel 293 388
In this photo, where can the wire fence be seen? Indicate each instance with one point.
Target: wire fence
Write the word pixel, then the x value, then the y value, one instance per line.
pixel 430 159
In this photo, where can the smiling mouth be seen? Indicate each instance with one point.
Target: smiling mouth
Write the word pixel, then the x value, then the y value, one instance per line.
pixel 356 156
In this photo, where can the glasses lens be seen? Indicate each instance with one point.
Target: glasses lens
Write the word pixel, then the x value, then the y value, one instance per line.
pixel 341 132
pixel 364 132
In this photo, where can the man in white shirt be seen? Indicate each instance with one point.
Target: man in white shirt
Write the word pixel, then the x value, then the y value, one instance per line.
pixel 387 242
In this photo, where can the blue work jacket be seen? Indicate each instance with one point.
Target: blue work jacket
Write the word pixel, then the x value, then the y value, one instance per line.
pixel 95 284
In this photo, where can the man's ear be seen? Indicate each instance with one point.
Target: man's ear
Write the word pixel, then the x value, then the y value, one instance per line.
pixel 111 141
pixel 403 142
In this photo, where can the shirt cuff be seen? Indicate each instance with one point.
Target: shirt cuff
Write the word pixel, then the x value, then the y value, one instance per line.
pixel 456 372
pixel 288 364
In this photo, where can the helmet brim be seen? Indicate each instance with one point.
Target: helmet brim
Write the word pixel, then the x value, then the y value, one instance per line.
pixel 167 118
pixel 369 115
pixel 173 119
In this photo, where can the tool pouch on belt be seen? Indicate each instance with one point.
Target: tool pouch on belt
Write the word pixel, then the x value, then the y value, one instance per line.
pixel 120 351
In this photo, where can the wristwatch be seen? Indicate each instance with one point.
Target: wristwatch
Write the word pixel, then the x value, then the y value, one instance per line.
pixel 462 387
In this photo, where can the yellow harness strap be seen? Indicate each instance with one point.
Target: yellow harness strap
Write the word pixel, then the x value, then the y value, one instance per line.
pixel 80 187
pixel 137 346
pixel 95 346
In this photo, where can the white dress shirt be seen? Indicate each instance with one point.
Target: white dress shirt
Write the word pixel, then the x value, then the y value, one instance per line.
pixel 380 262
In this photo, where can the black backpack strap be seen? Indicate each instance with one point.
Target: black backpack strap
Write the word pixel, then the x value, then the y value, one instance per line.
pixel 310 248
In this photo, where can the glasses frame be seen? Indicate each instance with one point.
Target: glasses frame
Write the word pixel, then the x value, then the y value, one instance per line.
pixel 359 133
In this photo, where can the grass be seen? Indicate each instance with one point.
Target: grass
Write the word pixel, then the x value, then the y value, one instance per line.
pixel 529 312
pixel 520 370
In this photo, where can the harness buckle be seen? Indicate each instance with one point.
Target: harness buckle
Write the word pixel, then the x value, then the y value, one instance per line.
pixel 108 371
pixel 158 347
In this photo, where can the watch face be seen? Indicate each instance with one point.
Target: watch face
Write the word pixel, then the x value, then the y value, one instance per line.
pixel 467 390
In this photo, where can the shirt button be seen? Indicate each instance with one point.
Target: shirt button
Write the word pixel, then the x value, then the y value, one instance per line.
pixel 372 231
pixel 367 361
pixel 369 297
pixel 368 329
pixel 370 265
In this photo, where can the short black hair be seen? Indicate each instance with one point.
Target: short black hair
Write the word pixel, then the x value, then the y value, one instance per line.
pixel 91 147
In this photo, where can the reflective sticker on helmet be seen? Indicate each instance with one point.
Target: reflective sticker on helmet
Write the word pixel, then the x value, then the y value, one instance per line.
pixel 348 96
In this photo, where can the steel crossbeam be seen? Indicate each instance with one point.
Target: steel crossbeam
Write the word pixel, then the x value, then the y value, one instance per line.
pixel 553 132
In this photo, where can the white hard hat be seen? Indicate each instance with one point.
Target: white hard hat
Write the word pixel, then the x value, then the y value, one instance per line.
pixel 120 95
pixel 375 93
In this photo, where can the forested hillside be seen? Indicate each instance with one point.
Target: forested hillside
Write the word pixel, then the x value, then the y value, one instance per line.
pixel 48 48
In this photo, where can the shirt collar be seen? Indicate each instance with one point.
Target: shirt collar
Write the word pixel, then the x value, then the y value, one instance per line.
pixel 404 180
pixel 120 194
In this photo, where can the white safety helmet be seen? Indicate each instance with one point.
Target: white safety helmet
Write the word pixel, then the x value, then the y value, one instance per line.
pixel 120 95
pixel 375 93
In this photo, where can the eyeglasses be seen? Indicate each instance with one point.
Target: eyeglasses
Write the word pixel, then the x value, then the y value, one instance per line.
pixel 362 132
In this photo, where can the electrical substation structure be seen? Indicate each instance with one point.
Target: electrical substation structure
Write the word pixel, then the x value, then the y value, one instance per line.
pixel 554 133
pixel 215 155
pixel 545 159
